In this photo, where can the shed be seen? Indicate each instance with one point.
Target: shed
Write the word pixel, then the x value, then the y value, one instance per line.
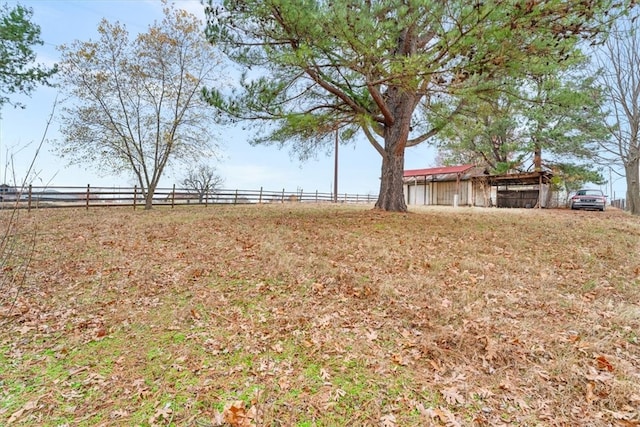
pixel 443 185
pixel 520 190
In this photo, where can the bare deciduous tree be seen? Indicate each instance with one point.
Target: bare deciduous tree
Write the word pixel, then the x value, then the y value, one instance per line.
pixel 202 180
pixel 619 61
pixel 136 104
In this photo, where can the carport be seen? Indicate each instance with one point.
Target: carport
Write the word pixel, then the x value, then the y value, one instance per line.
pixel 521 190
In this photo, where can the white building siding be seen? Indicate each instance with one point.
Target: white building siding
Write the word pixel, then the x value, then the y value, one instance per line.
pixel 418 194
pixel 438 193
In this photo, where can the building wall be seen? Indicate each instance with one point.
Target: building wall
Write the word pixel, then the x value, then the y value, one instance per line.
pixel 446 191
pixel 438 193
pixel 418 195
pixel 476 192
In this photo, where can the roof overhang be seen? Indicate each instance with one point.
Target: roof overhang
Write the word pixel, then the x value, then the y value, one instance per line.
pixel 526 178
pixel 441 170
pixel 444 173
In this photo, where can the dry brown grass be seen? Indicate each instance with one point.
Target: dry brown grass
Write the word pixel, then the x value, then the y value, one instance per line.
pixel 295 315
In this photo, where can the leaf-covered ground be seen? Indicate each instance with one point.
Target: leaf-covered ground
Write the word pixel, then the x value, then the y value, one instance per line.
pixel 295 315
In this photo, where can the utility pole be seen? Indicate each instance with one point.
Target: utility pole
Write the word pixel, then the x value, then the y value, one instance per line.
pixel 335 172
pixel 611 197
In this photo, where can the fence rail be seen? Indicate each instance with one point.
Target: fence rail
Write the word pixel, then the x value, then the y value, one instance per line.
pixel 33 197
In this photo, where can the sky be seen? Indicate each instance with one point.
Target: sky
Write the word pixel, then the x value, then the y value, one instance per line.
pixel 242 166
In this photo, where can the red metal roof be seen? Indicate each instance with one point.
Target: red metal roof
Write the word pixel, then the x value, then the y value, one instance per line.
pixel 437 171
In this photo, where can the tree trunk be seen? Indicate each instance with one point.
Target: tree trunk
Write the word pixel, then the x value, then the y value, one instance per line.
pixel 537 157
pixel 391 195
pixel 148 200
pixel 632 172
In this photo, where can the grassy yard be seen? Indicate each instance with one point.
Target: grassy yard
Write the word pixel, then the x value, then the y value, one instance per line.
pixel 295 315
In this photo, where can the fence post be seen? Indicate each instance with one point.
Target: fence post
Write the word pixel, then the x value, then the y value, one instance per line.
pixel 135 196
pixel 206 195
pixel 260 197
pixel 235 199
pixel 173 196
pixel 316 196
pixel 29 199
pixel 282 199
pixel 88 195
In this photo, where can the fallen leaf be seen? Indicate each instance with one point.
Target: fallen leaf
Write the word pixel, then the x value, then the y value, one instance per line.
pixel 162 413
pixel 452 396
pixel 484 393
pixel 398 359
pixel 591 397
pixel 604 364
pixel 235 414
pixel 30 405
pixel 371 335
pixel 627 423
pixel 325 375
pixel 337 394
pixel 594 375
pixel 101 332
pixel 388 420
pixel 218 419
pixel 490 348
pixel 444 415
pixel 284 383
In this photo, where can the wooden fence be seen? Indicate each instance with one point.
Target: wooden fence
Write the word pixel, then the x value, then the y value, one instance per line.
pixel 33 197
pixel 619 203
